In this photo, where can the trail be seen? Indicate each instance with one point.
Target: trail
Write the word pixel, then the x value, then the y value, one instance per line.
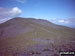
pixel 43 41
pixel 44 30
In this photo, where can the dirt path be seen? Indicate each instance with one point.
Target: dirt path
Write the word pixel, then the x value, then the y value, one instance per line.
pixel 43 41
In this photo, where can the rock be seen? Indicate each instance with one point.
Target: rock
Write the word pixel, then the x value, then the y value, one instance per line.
pixel 46 49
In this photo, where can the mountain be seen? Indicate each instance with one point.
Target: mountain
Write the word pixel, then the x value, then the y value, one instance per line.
pixel 34 37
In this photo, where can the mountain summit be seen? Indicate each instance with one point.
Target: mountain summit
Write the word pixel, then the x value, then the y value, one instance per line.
pixel 30 36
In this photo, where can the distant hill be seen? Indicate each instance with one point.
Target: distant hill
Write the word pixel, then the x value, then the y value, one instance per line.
pixel 18 34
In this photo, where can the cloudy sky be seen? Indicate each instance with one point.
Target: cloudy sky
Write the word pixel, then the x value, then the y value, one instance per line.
pixel 57 11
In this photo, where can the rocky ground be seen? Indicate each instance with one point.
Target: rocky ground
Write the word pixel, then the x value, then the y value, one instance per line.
pixel 46 47
pixel 43 50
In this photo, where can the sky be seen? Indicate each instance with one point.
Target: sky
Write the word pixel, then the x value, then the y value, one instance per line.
pixel 57 11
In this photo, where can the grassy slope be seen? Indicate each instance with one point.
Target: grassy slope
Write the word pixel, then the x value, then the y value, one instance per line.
pixel 19 42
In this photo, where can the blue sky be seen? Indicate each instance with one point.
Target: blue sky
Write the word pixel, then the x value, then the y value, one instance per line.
pixel 57 11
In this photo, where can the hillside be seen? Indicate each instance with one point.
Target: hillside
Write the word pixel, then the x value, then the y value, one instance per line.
pixel 34 37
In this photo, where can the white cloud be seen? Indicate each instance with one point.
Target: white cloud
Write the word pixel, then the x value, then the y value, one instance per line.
pixel 7 13
pixel 15 11
pixel 21 1
pixel 63 21
pixel 70 22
